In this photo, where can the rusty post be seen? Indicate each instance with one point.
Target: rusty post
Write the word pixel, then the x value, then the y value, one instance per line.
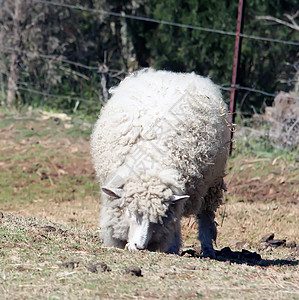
pixel 232 104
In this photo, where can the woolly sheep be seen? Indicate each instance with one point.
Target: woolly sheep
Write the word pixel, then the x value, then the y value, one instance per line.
pixel 159 149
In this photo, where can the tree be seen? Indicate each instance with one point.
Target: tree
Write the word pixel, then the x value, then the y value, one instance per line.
pixel 290 22
pixel 29 34
pixel 13 75
pixel 59 50
pixel 169 47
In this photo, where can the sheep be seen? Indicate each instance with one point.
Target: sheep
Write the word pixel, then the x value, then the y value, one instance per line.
pixel 159 149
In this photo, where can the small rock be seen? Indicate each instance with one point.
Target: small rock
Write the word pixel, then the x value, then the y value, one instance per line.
pixel 291 244
pixel 276 243
pixel 20 268
pixel 134 271
pixel 49 228
pixel 92 268
pixel 267 237
pixel 104 267
pixel 95 267
pixel 69 264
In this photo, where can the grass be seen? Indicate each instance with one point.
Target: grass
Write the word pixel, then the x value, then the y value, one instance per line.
pixel 37 172
pixel 48 232
pixel 38 263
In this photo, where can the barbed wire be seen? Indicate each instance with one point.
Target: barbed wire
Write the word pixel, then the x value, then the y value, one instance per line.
pixel 49 57
pixel 115 73
pixel 146 19
pixel 102 102
pixel 119 72
pixel 32 91
pixel 24 86
pixel 75 98
pixel 239 87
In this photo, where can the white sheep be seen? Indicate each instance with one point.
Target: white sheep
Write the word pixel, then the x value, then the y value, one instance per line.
pixel 159 149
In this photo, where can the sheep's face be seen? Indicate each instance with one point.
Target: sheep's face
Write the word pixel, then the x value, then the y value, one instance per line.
pixel 142 233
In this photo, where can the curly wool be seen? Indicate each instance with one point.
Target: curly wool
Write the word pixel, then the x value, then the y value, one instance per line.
pixel 148 198
pixel 162 133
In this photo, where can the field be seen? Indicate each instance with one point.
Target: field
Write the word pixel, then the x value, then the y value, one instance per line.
pixel 49 205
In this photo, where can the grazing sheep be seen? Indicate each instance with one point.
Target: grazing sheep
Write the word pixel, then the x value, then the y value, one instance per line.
pixel 159 149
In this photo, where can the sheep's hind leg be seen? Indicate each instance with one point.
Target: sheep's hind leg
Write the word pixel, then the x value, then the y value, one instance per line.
pixel 207 232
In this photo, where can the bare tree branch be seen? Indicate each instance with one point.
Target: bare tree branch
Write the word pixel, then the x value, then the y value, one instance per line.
pixel 293 17
pixel 292 25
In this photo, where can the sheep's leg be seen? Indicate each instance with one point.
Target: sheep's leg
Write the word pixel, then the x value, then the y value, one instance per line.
pixel 207 232
pixel 175 243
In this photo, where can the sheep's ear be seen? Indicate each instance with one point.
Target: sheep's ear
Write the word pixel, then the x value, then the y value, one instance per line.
pixel 113 192
pixel 175 198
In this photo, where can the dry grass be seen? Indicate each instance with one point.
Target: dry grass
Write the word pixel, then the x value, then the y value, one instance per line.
pixel 49 245
pixel 45 260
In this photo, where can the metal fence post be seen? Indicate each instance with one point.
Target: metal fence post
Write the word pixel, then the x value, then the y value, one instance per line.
pixel 232 104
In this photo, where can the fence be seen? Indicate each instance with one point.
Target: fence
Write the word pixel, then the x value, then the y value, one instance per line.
pixel 102 70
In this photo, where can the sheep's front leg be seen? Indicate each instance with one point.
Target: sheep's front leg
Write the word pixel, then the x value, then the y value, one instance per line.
pixel 175 243
pixel 207 232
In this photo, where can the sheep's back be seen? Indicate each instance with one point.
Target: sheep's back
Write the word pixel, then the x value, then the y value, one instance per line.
pixel 179 119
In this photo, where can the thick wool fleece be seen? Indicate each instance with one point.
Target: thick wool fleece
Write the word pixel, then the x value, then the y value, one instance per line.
pixel 161 133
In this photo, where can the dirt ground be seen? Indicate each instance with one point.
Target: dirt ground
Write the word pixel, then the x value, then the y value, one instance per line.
pixel 46 172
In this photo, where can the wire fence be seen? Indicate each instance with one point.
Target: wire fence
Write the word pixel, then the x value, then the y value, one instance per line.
pixel 117 72
pixel 25 86
pixel 146 19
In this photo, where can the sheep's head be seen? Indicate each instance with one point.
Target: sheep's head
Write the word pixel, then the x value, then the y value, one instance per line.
pixel 145 223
